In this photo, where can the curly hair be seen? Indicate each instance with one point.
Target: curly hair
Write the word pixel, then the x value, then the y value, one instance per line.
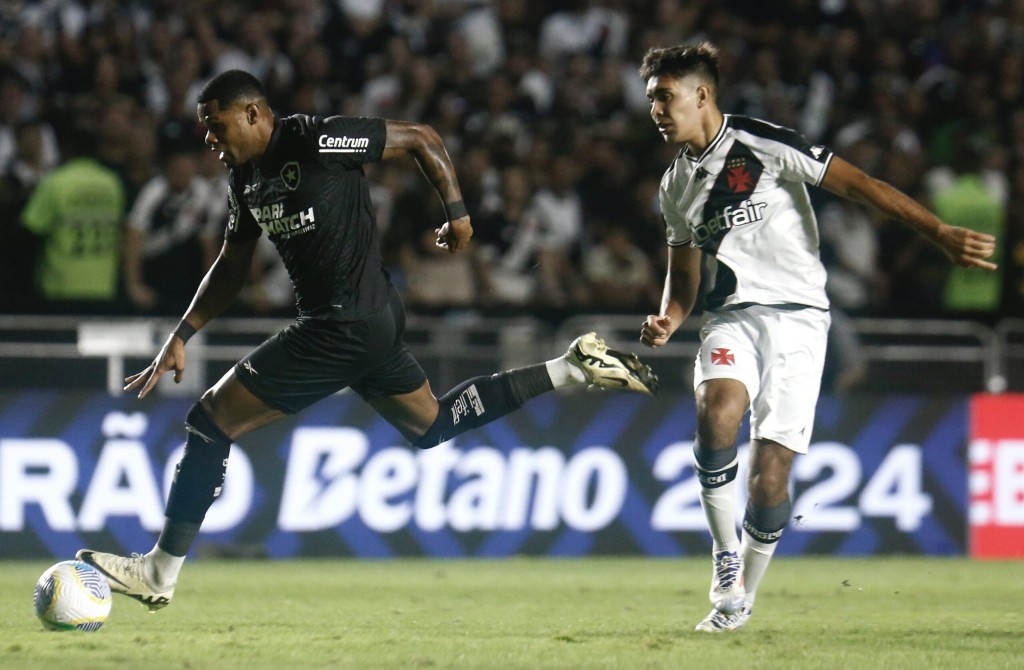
pixel 230 87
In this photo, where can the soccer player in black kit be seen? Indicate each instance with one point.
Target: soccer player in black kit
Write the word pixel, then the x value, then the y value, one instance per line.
pixel 299 179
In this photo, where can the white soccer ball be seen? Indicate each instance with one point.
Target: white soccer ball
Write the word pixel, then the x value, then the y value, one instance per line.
pixel 72 595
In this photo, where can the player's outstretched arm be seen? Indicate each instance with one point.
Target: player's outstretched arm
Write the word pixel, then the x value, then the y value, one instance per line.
pixel 962 246
pixel 216 292
pixel 424 144
pixel 681 283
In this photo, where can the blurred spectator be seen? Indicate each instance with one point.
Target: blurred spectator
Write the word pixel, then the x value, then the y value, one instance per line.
pixel 550 237
pixel 620 274
pixel 315 92
pixel 436 279
pixel 513 86
pixel 502 121
pixel 606 183
pixel 964 199
pixel 212 171
pixel 850 241
pixel 16 108
pixel 478 26
pixel 77 212
pixel 763 93
pixel 269 290
pixel 845 362
pixel 883 123
pixel 18 178
pixel 584 27
pixel 533 81
pixel 1013 285
pixel 647 228
pixel 383 90
pixel 505 279
pixel 170 98
pixel 431 279
pixel 358 38
pixel 169 244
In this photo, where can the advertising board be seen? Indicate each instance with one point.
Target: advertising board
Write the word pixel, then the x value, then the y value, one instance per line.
pixel 570 474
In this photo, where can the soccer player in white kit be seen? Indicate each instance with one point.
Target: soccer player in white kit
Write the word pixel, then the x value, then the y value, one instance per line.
pixel 736 196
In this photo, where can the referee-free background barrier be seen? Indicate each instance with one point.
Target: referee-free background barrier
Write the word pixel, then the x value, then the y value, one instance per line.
pixel 572 474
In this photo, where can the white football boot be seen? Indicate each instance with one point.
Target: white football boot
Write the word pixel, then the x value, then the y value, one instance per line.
pixel 727 593
pixel 127 576
pixel 609 369
pixel 716 622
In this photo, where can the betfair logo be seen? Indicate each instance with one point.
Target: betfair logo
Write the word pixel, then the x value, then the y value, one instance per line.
pixel 724 219
pixel 343 144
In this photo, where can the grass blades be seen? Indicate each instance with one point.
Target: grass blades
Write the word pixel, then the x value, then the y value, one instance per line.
pixel 539 613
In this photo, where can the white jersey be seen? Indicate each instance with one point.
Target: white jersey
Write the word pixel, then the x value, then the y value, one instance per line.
pixel 744 203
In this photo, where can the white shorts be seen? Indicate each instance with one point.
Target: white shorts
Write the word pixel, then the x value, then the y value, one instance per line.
pixel 779 355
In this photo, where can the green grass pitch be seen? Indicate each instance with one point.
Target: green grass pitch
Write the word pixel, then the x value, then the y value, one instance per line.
pixel 539 613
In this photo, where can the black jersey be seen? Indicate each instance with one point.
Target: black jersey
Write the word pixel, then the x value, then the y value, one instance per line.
pixel 308 192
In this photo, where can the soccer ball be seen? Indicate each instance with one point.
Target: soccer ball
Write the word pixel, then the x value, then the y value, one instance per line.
pixel 72 595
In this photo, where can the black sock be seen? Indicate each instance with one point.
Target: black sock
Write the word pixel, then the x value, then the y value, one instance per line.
pixel 177 536
pixel 198 480
pixel 528 382
pixel 480 400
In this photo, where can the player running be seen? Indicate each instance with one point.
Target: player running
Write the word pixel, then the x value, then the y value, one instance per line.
pixel 736 196
pixel 299 179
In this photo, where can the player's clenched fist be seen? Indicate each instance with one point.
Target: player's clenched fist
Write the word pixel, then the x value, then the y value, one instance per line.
pixel 656 330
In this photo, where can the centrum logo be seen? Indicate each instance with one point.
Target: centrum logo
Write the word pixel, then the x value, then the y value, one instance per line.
pixel 343 144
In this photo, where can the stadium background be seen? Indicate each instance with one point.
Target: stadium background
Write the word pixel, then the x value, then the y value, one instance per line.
pixel 544 116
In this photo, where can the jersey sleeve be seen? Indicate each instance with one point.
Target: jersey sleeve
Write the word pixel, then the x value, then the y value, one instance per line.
pixel 799 160
pixel 142 209
pixel 677 232
pixel 241 226
pixel 349 141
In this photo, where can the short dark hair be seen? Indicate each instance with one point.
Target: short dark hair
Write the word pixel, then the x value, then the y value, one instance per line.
pixel 679 61
pixel 230 87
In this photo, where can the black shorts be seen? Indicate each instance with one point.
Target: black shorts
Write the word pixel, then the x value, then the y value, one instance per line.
pixel 314 358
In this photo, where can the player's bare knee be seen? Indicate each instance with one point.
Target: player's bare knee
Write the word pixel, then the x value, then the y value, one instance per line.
pixel 767 483
pixel 718 424
pixel 717 430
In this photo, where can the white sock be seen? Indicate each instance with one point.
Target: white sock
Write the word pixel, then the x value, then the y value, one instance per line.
pixel 756 556
pixel 564 373
pixel 163 568
pixel 720 510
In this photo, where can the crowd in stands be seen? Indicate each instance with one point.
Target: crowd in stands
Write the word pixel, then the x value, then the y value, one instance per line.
pixel 545 117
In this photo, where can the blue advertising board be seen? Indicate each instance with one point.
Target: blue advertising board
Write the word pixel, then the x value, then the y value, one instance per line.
pixel 571 474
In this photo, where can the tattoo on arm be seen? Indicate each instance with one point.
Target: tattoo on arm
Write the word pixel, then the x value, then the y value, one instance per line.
pixel 426 147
